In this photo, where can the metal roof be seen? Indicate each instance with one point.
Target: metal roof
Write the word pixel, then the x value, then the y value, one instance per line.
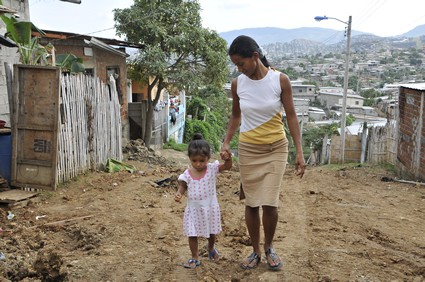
pixel 414 86
pixel 58 35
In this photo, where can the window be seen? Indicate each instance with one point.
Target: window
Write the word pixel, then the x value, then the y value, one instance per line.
pixel 115 72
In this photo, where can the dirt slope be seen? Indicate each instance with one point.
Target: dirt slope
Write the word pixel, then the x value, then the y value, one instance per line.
pixel 334 225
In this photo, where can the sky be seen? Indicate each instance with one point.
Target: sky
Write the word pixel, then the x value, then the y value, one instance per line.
pixel 379 17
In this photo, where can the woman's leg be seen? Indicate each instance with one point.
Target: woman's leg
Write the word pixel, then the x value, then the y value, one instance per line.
pixel 270 217
pixel 252 219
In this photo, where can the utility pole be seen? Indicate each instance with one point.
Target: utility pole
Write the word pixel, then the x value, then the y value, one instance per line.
pixel 344 98
pixel 344 95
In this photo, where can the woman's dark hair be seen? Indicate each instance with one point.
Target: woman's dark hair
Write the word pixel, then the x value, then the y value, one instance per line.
pixel 245 46
pixel 198 146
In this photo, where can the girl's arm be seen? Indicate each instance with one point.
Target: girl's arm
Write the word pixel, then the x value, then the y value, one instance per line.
pixel 181 189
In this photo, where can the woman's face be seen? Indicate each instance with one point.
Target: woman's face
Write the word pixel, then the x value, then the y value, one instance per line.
pixel 247 66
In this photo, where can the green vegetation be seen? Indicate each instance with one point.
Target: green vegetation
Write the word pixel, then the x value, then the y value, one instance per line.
pixel 178 54
pixel 29 49
pixel 172 144
pixel 210 110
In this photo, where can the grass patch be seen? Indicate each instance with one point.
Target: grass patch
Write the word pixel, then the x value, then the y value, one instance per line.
pixel 172 144
pixel 344 166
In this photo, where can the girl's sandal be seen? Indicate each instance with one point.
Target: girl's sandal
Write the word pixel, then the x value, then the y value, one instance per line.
pixel 251 262
pixel 272 257
pixel 192 263
pixel 213 255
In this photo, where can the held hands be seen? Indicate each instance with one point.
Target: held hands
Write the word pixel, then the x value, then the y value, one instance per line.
pixel 225 153
pixel 225 156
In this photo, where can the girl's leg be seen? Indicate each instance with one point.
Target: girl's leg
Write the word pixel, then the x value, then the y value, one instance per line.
pixel 212 251
pixel 211 242
pixel 194 261
pixel 193 245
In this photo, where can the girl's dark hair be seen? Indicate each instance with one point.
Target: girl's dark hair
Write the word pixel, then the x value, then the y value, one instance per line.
pixel 245 46
pixel 198 146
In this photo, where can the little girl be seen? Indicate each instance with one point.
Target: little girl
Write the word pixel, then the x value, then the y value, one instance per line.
pixel 202 213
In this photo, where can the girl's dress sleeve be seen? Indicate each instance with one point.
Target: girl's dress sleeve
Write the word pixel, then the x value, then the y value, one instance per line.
pixel 215 166
pixel 183 177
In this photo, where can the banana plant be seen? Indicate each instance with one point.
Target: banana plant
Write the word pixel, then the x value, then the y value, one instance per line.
pixel 70 63
pixel 30 50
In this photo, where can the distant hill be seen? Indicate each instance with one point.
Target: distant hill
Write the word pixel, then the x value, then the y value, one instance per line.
pixel 416 32
pixel 268 35
pixel 271 35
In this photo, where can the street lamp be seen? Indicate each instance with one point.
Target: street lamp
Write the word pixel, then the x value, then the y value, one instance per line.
pixel 72 1
pixel 344 97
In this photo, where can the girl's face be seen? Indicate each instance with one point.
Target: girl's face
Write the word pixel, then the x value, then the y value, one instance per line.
pixel 247 66
pixel 199 162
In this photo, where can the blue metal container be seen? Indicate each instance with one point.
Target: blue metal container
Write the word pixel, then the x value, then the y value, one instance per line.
pixel 6 156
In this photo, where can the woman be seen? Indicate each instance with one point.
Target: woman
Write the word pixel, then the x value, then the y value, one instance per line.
pixel 259 96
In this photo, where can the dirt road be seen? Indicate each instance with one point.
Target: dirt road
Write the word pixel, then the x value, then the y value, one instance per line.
pixel 334 225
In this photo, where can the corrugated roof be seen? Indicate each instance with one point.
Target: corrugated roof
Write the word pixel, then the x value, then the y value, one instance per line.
pixel 414 86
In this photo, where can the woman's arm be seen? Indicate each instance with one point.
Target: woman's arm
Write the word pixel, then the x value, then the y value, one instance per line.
pixel 294 128
pixel 234 121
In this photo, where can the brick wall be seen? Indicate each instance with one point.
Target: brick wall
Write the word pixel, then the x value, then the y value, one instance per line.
pixel 411 144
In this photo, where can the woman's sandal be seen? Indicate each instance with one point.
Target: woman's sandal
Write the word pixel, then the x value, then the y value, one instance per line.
pixel 192 263
pixel 213 255
pixel 271 256
pixel 251 262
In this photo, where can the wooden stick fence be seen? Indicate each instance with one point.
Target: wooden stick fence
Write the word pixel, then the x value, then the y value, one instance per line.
pixel 90 125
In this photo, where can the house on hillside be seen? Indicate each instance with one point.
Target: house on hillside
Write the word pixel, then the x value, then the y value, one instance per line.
pixel 304 91
pixel 102 57
pixel 333 96
pixel 410 161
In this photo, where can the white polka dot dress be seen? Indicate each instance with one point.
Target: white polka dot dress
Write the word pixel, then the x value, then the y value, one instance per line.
pixel 202 213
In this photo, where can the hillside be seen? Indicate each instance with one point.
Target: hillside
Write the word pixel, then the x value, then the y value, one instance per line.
pixel 334 225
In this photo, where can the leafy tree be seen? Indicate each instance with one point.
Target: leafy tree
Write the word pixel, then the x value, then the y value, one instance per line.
pixel 313 137
pixel 217 100
pixel 178 53
pixel 210 111
pixel 197 108
pixel 291 73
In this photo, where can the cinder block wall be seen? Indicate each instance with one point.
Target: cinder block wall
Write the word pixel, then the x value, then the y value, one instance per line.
pixel 10 56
